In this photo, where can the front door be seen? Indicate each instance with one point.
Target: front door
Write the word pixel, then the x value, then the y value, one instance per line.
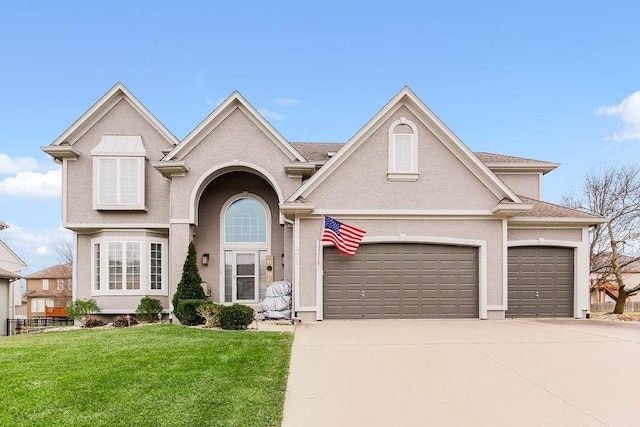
pixel 246 276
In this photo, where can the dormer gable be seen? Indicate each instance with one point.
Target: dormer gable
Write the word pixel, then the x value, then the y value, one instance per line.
pixel 175 162
pixel 63 148
pixel 407 99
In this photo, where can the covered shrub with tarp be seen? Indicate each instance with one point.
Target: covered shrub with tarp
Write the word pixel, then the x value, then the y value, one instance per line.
pixel 277 301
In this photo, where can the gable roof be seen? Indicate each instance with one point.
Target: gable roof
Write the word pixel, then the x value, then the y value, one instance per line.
pixel 60 271
pixel 217 116
pixel 19 263
pixel 4 274
pixel 407 98
pixel 109 100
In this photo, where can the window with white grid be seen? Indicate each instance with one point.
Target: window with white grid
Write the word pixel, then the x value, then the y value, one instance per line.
pixel 132 266
pixel 119 183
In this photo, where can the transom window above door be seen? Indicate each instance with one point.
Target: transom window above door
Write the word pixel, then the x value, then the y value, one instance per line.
pixel 245 221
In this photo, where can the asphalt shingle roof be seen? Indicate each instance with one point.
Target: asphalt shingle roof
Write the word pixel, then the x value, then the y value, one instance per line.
pixel 545 210
pixel 61 271
pixel 493 158
pixel 317 151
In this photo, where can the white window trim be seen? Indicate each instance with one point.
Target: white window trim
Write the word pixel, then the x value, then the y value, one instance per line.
pixel 145 266
pixel 138 205
pixel 242 246
pixel 392 173
pixel 45 284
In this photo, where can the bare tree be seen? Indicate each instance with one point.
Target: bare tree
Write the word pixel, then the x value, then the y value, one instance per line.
pixel 613 193
pixel 64 251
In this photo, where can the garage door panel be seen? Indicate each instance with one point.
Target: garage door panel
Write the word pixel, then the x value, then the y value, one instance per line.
pixel 404 281
pixel 540 282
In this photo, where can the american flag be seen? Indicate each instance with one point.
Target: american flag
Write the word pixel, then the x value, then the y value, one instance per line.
pixel 345 237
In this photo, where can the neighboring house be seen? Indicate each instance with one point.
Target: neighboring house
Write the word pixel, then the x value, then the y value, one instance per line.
pixel 605 288
pixel 6 298
pixel 450 233
pixel 10 293
pixel 49 291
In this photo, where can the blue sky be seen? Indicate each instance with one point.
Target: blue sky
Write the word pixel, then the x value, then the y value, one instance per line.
pixel 551 80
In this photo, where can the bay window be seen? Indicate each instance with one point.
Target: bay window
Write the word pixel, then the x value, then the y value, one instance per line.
pixel 129 266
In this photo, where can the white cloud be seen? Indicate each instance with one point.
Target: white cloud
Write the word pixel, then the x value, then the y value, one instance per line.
pixel 287 102
pixel 10 165
pixel 36 247
pixel 271 114
pixel 629 113
pixel 25 237
pixel 33 184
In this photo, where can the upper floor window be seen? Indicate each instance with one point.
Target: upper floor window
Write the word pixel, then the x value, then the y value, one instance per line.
pixel 118 173
pixel 403 151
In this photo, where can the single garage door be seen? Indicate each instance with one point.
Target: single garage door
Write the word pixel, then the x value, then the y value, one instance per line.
pixel 540 282
pixel 392 281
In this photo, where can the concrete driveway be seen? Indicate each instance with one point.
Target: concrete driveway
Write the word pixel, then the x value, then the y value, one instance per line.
pixel 464 372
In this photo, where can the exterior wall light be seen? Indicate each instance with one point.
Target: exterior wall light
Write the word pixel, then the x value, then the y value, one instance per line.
pixel 205 259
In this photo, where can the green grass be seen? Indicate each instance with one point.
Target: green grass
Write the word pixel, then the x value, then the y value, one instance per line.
pixel 161 375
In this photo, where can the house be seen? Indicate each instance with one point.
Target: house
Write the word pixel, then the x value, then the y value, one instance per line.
pixel 49 291
pixel 450 233
pixel 10 294
pixel 604 288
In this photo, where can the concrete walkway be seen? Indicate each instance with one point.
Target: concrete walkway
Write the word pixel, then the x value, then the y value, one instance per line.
pixel 464 373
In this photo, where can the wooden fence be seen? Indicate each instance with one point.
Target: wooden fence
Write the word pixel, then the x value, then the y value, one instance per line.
pixel 607 307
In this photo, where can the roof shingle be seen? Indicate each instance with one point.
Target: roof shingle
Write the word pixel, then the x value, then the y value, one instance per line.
pixel 549 210
pixel 61 271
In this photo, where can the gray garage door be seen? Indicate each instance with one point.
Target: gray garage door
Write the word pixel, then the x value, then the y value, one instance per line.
pixel 392 281
pixel 540 282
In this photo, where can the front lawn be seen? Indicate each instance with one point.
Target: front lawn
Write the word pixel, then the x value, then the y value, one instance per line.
pixel 157 375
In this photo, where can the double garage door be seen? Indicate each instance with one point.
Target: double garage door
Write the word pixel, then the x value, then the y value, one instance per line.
pixel 393 281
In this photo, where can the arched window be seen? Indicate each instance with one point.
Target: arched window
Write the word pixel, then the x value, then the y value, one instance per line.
pixel 245 221
pixel 245 244
pixel 403 151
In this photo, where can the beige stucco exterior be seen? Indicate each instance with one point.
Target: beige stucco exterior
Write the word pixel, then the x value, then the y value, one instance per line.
pixel 122 119
pixel 524 184
pixel 452 198
pixel 444 184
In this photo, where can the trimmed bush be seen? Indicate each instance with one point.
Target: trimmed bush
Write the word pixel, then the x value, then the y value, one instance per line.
pixel 81 310
pixel 188 309
pixel 209 312
pixel 235 317
pixel 124 322
pixel 93 323
pixel 190 286
pixel 149 308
